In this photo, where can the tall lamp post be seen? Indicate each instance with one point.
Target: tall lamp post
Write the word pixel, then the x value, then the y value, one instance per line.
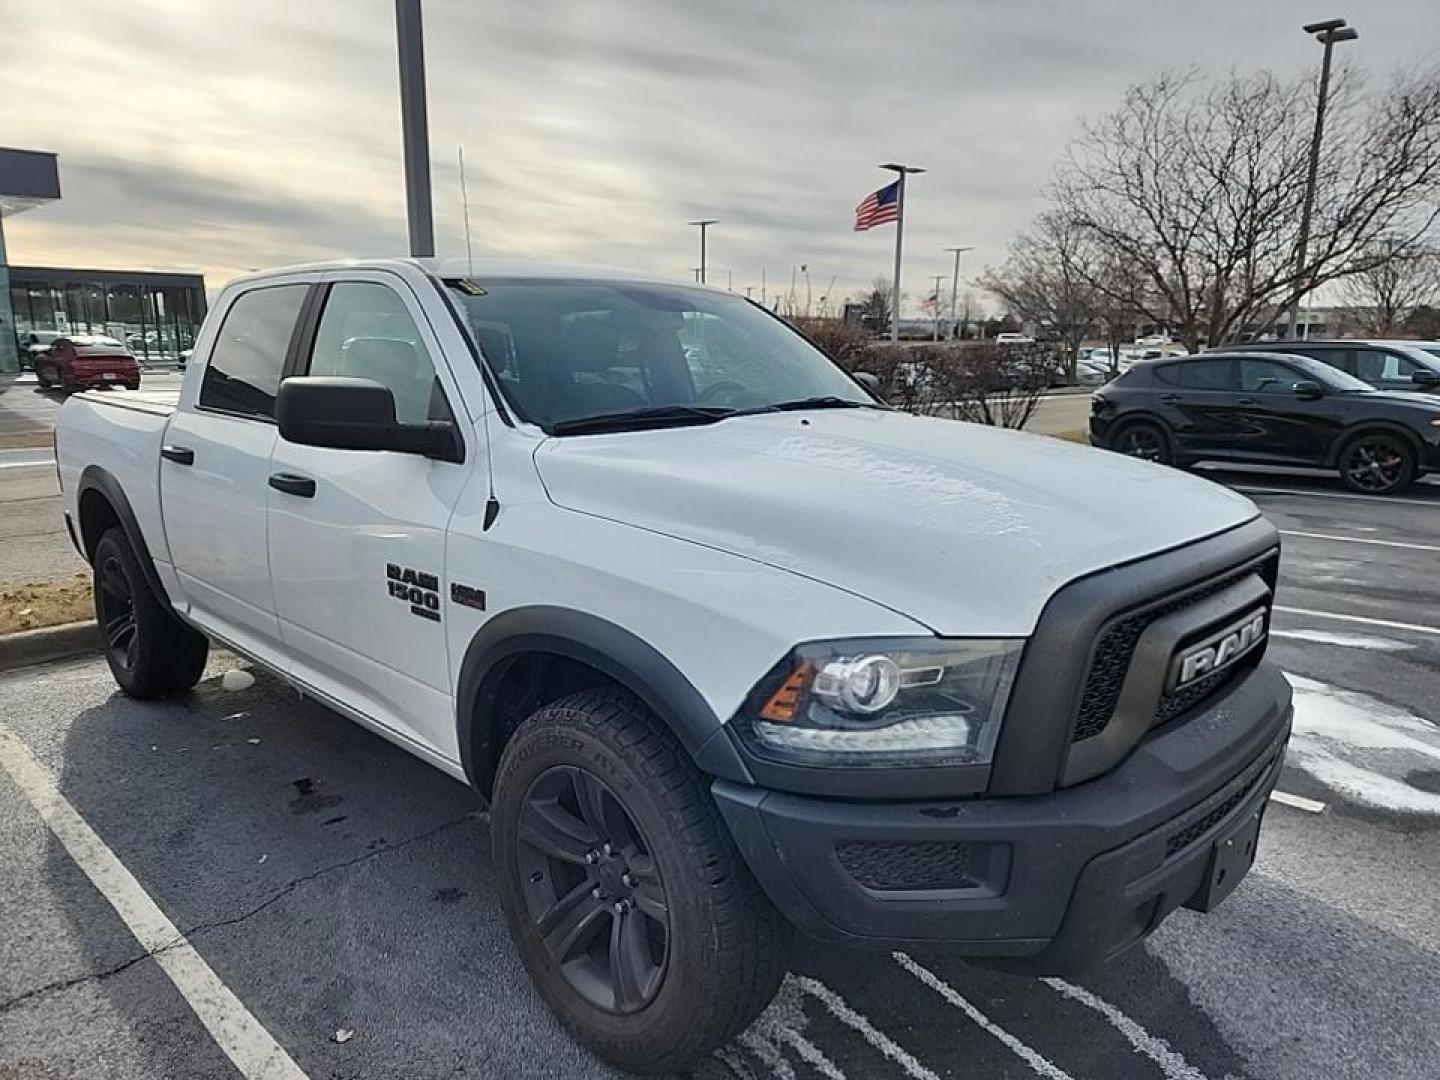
pixel 704 224
pixel 903 171
pixel 955 284
pixel 413 126
pixel 1327 33
pixel 935 299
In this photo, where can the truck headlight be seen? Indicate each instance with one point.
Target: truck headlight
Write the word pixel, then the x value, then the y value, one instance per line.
pixel 924 701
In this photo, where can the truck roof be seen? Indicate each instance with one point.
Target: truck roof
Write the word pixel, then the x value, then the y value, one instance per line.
pixel 476 268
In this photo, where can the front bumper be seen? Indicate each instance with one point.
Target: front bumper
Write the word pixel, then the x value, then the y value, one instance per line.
pixel 1053 883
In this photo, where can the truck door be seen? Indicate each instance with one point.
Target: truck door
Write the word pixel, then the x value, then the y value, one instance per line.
pixel 357 537
pixel 214 464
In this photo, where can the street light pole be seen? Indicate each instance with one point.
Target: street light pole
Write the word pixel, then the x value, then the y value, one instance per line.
pixel 414 128
pixel 902 171
pixel 704 224
pixel 935 299
pixel 955 284
pixel 1327 33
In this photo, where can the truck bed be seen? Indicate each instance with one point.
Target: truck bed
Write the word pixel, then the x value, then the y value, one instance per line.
pixel 118 432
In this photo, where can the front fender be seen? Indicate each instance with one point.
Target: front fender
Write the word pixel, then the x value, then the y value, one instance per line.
pixel 604 646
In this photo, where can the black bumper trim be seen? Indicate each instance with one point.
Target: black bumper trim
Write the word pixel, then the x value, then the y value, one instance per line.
pixel 1060 881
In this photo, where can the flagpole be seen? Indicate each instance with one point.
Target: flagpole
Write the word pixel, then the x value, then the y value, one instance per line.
pixel 902 170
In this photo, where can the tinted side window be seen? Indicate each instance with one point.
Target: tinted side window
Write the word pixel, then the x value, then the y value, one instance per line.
pixel 243 374
pixel 1267 377
pixel 1344 359
pixel 1376 365
pixel 1197 374
pixel 366 333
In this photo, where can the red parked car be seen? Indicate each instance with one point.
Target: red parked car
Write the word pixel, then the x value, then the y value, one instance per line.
pixel 83 362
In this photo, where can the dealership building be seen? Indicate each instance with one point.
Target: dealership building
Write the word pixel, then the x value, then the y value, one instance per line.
pixel 155 314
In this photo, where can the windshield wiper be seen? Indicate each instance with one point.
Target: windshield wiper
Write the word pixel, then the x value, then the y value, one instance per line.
pixel 828 401
pixel 633 419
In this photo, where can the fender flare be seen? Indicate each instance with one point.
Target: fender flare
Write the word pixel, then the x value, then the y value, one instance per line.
pixel 95 478
pixel 610 649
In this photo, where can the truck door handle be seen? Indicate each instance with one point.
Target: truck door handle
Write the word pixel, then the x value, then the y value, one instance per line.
pixel 1170 398
pixel 181 455
pixel 293 484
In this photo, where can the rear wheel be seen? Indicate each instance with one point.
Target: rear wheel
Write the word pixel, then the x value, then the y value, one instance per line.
pixel 1377 464
pixel 631 907
pixel 1144 441
pixel 42 376
pixel 151 653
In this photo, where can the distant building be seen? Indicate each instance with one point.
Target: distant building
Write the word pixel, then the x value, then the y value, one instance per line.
pixel 155 314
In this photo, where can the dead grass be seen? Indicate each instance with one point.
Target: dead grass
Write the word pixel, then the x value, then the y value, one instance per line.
pixel 49 603
pixel 1073 436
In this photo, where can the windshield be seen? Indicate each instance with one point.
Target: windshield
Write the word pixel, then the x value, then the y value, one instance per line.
pixel 568 351
pixel 1330 377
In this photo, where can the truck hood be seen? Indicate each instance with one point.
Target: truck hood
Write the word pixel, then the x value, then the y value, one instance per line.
pixel 964 528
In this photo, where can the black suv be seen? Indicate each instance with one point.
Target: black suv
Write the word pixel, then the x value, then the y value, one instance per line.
pixel 1385 365
pixel 1265 408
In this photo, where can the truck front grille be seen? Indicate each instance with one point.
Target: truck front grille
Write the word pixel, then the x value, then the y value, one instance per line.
pixel 1110 662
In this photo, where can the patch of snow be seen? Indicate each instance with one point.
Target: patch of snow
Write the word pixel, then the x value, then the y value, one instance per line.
pixel 1362 748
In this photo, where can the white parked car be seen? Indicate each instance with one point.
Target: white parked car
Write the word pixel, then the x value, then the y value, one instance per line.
pixel 1014 339
pixel 728 646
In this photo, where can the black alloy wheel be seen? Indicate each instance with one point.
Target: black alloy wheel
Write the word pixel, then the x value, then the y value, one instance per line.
pixel 116 604
pixel 1145 442
pixel 593 890
pixel 1376 464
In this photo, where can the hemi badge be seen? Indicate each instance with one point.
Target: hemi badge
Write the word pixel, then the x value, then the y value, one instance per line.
pixel 467 596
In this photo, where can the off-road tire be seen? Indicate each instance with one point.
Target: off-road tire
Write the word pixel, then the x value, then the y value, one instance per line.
pixel 151 653
pixel 727 945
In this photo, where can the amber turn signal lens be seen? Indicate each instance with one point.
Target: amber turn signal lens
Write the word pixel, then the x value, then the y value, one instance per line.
pixel 780 709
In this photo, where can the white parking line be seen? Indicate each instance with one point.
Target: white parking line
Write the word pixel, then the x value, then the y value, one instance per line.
pixel 1361 540
pixel 1171 1063
pixel 1249 490
pixel 1349 641
pixel 1413 627
pixel 234 1028
pixel 1038 1063
pixel 841 1010
pixel 1299 802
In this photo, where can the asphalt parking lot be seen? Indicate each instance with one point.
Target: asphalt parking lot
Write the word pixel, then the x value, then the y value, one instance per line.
pixel 340 893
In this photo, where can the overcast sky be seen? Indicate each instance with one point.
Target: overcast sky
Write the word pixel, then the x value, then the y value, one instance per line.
pixel 224 135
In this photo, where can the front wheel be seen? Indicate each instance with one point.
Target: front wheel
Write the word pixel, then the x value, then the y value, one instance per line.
pixel 633 911
pixel 1146 442
pixel 1377 464
pixel 151 653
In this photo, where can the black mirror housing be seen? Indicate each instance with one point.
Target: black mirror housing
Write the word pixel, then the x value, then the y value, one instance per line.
pixel 356 414
pixel 1425 377
pixel 1306 390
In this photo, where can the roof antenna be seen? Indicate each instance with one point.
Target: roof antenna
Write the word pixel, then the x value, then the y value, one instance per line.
pixel 465 210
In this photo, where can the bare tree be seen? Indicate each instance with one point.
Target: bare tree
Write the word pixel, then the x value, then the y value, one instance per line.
pixel 876 305
pixel 1394 279
pixel 1046 281
pixel 987 383
pixel 1196 189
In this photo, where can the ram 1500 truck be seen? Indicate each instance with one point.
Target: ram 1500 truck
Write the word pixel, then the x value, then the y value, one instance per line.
pixel 727 645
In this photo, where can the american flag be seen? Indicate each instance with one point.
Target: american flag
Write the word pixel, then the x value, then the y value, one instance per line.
pixel 878 207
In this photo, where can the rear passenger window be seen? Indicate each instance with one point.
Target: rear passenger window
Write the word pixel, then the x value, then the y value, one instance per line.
pixel 1373 365
pixel 366 333
pixel 243 373
pixel 1197 374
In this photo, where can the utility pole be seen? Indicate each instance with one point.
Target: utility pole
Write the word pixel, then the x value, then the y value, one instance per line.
pixel 935 301
pixel 414 127
pixel 902 171
pixel 955 285
pixel 704 224
pixel 1327 33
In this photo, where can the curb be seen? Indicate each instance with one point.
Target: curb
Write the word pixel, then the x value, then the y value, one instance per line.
pixel 47 643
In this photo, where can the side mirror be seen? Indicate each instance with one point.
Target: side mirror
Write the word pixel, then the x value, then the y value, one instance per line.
pixel 1425 377
pixel 869 380
pixel 1306 390
pixel 356 414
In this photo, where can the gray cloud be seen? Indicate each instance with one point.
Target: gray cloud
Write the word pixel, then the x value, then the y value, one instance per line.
pixel 228 136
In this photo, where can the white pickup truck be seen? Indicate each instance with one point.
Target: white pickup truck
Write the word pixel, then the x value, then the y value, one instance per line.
pixel 727 645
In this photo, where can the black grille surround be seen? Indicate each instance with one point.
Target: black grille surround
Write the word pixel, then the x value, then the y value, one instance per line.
pixel 1115 646
pixel 1205 815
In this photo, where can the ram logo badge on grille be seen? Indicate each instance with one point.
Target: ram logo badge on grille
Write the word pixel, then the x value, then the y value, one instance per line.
pixel 1217 651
